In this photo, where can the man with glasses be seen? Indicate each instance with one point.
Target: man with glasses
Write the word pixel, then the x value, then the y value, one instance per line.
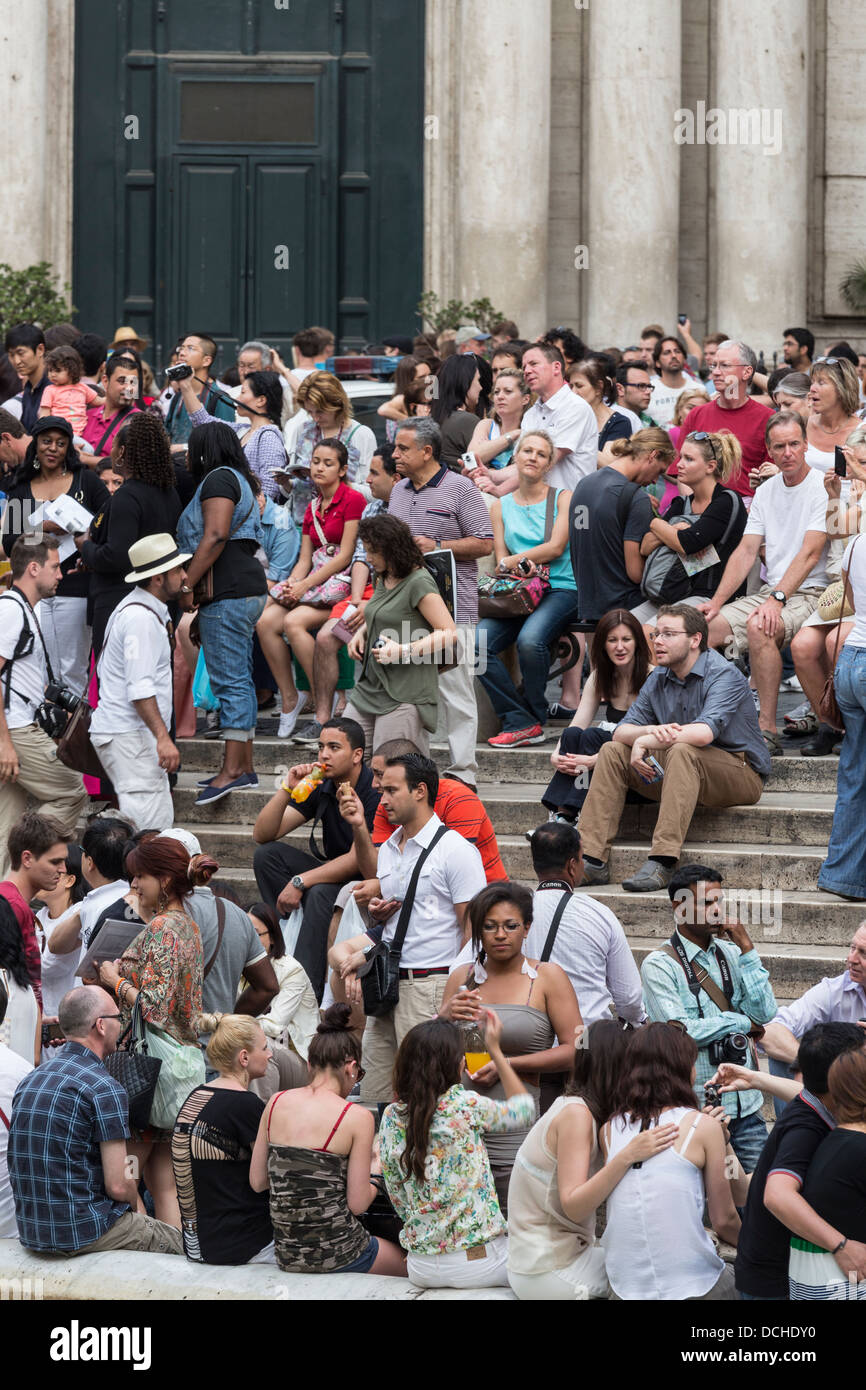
pixel 788 518
pixel 199 351
pixel 633 391
pixel 734 410
pixel 75 1190
pixel 690 738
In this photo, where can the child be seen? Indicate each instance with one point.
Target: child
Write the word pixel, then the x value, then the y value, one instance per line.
pixel 67 395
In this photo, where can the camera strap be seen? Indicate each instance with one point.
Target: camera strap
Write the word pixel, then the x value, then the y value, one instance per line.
pixel 674 948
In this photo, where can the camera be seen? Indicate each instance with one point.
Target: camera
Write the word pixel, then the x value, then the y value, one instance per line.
pixel 54 713
pixel 734 1048
pixel 712 1094
pixel 182 372
pixel 525 566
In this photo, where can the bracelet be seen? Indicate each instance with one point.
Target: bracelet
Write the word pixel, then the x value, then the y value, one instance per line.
pixel 119 986
pixel 840 1246
pixel 284 788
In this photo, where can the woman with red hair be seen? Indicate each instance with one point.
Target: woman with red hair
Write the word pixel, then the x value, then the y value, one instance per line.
pixel 163 968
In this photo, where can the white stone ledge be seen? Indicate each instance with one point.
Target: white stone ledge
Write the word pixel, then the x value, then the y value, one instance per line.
pixel 127 1274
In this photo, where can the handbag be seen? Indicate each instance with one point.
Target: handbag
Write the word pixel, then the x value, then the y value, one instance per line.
pixel 203 591
pixel 332 590
pixel 515 596
pixel 828 706
pixel 380 978
pixel 666 579
pixel 831 606
pixel 135 1069
pixel 183 1068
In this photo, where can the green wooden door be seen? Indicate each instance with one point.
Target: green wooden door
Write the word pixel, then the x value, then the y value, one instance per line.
pixel 248 169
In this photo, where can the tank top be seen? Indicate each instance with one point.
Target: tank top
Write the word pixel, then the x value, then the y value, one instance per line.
pixel 314 1230
pixel 656 1248
pixel 524 529
pixel 541 1237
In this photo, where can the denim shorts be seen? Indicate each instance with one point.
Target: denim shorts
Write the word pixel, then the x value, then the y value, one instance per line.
pixel 364 1262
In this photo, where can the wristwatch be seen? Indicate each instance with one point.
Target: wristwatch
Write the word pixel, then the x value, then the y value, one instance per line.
pixel 298 882
pixel 779 595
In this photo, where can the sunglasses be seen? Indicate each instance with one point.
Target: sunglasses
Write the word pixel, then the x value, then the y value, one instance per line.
pixel 703 438
pixel 826 361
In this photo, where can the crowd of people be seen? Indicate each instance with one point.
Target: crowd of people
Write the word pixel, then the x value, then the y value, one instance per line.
pixel 400 1060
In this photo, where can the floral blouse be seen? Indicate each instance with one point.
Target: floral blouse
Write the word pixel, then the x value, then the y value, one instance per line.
pixel 165 963
pixel 456 1207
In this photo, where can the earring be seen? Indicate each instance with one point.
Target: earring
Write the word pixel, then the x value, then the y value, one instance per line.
pixel 36 466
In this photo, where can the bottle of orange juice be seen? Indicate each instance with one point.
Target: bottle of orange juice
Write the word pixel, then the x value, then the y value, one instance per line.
pixel 475 1046
pixel 307 786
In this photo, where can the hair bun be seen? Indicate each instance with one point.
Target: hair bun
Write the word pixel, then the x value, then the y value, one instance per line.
pixel 336 1019
pixel 207 1023
pixel 201 869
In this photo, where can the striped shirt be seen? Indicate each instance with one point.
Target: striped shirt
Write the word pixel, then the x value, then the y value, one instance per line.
pixel 460 809
pixel 447 508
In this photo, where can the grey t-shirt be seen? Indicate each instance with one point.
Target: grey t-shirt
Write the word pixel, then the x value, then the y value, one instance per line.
pixel 597 534
pixel 240 947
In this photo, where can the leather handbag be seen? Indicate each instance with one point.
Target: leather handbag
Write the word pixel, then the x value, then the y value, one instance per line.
pixel 828 706
pixel 380 978
pixel 135 1069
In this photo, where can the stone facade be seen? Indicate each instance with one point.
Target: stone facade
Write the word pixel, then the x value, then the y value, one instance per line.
pixel 554 183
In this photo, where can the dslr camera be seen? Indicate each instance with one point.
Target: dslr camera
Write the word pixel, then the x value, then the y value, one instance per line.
pixel 56 710
pixel 734 1048
pixel 181 372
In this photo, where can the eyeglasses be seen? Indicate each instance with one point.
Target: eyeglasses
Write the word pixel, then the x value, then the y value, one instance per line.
pixel 361 1070
pixel 115 1016
pixel 826 361
pixel 703 438
pixel 491 927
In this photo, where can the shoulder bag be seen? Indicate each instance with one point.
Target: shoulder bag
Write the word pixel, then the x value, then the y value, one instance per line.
pixel 828 706
pixel 135 1069
pixel 665 578
pixel 513 595
pixel 380 979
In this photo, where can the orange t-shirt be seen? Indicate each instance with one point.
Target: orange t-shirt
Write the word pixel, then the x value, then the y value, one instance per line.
pixel 462 810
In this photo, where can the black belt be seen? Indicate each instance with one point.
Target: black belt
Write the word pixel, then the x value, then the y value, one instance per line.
pixel 423 974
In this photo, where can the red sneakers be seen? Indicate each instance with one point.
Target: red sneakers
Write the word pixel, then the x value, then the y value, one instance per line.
pixel 516 738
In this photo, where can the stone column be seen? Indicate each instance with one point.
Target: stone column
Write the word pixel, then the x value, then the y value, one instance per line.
pixel 488 154
pixel 632 165
pixel 36 102
pixel 759 176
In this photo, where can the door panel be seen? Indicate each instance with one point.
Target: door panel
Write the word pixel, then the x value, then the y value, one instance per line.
pixel 284 249
pixel 209 292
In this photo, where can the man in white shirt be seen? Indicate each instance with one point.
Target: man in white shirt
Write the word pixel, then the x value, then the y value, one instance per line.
pixel 129 729
pixel 567 418
pixel 670 380
pixel 29 769
pixel 788 516
pixel 450 877
pixel 12 1070
pixel 589 943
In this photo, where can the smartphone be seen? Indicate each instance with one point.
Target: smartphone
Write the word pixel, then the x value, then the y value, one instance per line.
pixel 340 629
pixel 683 318
pixel 840 463
pixel 52 1032
pixel 657 768
pixel 525 566
pixel 470 462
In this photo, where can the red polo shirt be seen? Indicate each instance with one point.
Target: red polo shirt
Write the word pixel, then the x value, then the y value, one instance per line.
pixel 346 505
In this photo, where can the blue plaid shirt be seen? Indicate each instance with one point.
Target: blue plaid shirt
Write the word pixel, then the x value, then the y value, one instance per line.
pixel 61 1113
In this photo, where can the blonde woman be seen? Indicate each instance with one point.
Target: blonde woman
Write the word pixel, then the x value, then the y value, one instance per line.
pixel 494 439
pixel 834 399
pixel 224 1222
pixel 520 544
pixel 330 417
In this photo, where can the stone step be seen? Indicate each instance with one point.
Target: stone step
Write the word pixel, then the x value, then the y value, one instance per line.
pixel 793 968
pixel 790 773
pixel 770 915
pixel 803 818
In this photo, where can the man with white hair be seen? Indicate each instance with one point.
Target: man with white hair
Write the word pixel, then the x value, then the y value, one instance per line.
pixel 129 729
pixel 74 1193
pixel 734 410
pixel 256 356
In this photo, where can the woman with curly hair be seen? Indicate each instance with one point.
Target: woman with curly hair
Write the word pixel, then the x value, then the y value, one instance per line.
pixel 406 625
pixel 147 504
pixel 51 468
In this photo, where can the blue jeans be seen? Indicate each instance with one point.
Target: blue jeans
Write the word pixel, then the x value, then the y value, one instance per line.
pixel 227 628
pixel 748 1137
pixel 533 636
pixel 844 869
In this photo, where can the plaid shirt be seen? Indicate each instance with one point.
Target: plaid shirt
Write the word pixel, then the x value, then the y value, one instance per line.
pixel 61 1113
pixel 667 995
